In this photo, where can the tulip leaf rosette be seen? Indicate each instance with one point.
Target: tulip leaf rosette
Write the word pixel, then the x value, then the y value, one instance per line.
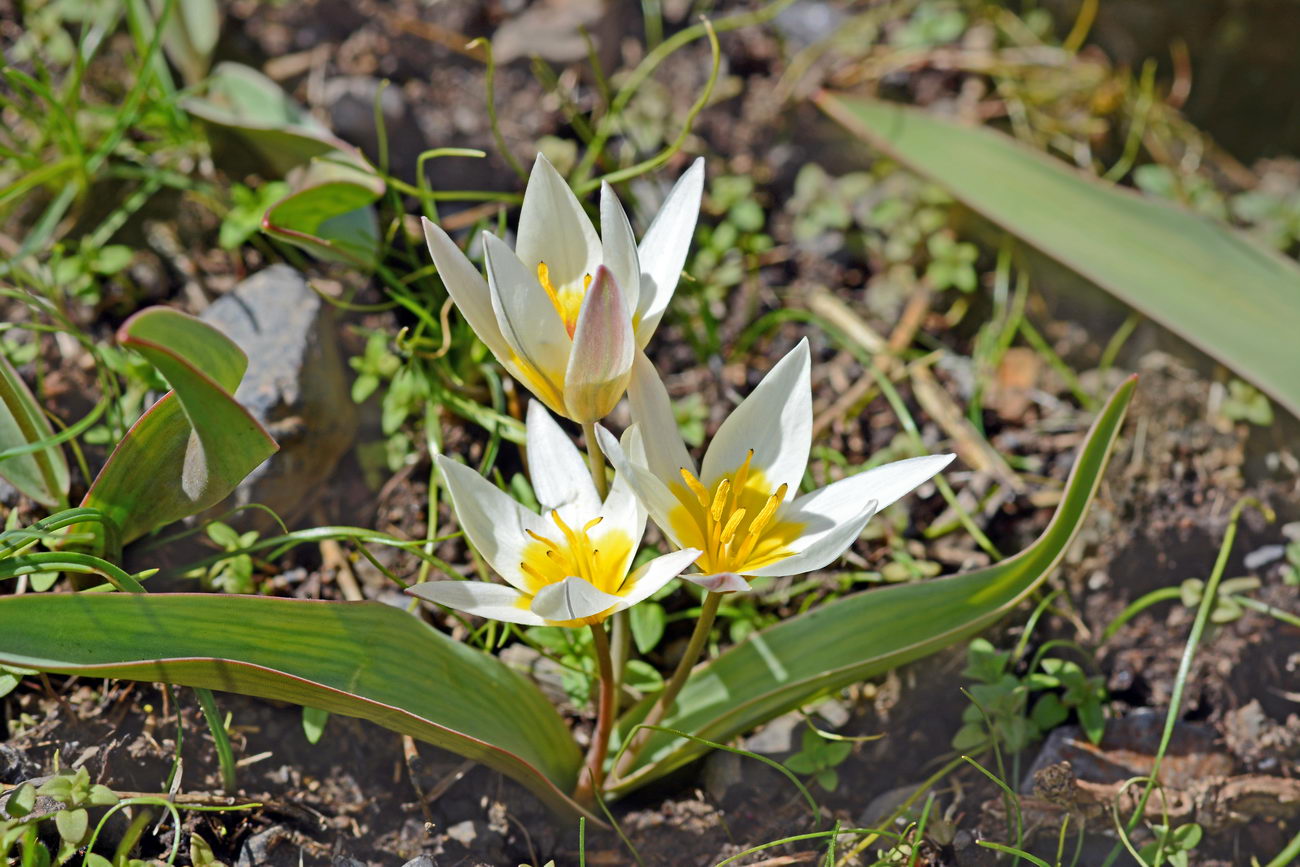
pixel 568 566
pixel 740 506
pixel 566 310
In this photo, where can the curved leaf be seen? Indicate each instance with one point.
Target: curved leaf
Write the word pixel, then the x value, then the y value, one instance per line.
pixel 1216 287
pixel 361 659
pixel 196 444
pixel 252 106
pixel 865 634
pixel 329 212
pixel 42 474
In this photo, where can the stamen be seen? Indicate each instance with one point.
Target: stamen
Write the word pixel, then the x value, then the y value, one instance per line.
pixel 586 282
pixel 720 495
pixel 545 541
pixel 593 522
pixel 729 531
pixel 544 277
pixel 701 493
pixel 569 536
pixel 741 477
pixel 534 574
pixel 755 531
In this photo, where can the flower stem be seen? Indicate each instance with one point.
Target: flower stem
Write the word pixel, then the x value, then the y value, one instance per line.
pixel 595 459
pixel 593 769
pixel 708 611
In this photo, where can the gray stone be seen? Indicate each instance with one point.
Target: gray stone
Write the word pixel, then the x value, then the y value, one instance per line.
pixel 421 861
pixel 1261 557
pixel 295 386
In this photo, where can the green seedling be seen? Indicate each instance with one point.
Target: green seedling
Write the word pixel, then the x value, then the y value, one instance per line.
pixel 233 574
pixel 1000 711
pixel 818 757
pixel 1246 403
pixel 1172 846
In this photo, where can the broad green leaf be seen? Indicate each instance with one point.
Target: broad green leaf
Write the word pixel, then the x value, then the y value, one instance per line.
pixel 1214 286
pixel 361 659
pixel 867 633
pixel 329 215
pixel 41 474
pixel 192 447
pixel 248 104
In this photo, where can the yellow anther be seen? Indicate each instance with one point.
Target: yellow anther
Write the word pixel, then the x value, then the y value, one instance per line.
pixel 586 282
pixel 569 536
pixel 720 495
pixel 729 531
pixel 755 530
pixel 742 476
pixel 593 522
pixel 544 277
pixel 534 574
pixel 701 493
pixel 540 538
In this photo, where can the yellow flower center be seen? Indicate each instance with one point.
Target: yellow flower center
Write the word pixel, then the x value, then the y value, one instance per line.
pixel 599 558
pixel 567 300
pixel 735 523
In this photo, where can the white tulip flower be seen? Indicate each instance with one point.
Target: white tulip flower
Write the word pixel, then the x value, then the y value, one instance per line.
pixel 565 311
pixel 566 567
pixel 740 507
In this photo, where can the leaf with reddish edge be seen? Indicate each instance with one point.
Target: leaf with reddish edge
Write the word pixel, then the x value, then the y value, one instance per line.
pixel 865 634
pixel 41 474
pixel 329 212
pixel 361 659
pixel 192 447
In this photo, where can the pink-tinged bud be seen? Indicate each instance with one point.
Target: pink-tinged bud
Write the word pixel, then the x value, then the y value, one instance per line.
pixel 600 363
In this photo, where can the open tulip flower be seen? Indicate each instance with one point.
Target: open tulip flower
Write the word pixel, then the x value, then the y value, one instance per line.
pixel 566 310
pixel 740 507
pixel 566 567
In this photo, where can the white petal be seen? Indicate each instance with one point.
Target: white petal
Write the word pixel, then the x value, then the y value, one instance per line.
pixel 467 288
pixel 557 469
pixel 832 513
pixel 600 362
pixel 646 581
pixel 618 247
pixel 572 599
pixel 493 601
pixel 492 520
pixel 652 412
pixel 623 512
pixel 554 229
pixel 720 582
pixel 823 541
pixel 652 493
pixel 885 484
pixel 665 245
pixel 529 322
pixel 775 421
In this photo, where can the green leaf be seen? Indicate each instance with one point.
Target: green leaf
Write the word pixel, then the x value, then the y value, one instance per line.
pixel 1181 269
pixel 22 801
pixel 415 680
pixel 329 214
pixel 40 473
pixel 191 448
pixel 72 825
pixel 865 634
pixel 648 620
pixel 245 102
